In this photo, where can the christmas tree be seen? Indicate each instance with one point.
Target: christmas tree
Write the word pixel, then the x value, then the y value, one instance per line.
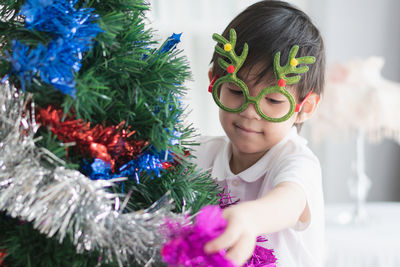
pixel 92 138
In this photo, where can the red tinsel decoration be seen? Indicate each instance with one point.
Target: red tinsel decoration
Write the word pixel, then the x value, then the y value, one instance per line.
pixel 2 256
pixel 112 144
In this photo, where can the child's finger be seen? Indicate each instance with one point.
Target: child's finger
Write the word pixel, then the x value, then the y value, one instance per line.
pixel 242 250
pixel 225 240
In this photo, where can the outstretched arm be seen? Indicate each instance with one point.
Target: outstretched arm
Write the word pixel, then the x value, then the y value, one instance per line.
pixel 279 209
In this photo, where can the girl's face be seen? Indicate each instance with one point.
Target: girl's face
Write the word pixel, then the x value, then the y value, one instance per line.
pixel 247 130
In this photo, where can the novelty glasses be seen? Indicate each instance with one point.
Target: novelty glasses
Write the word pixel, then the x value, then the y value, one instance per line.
pixel 273 103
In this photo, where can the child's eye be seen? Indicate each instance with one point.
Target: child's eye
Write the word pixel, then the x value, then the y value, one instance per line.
pixel 235 92
pixel 274 101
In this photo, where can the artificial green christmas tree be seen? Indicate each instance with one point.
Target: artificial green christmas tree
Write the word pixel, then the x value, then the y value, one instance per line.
pixel 92 141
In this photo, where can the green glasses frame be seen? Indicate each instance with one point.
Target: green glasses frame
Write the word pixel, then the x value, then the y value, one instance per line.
pixel 280 72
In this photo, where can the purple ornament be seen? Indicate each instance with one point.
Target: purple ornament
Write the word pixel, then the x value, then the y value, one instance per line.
pixel 262 257
pixel 225 199
pixel 186 242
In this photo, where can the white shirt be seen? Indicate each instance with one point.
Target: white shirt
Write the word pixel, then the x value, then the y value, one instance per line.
pixel 289 160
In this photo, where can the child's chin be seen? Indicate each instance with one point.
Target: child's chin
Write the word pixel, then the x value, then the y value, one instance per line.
pixel 247 148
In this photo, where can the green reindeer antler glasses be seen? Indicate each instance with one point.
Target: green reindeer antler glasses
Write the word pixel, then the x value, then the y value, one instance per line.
pixel 273 103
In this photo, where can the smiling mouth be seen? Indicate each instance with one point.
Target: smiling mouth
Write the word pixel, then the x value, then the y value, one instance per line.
pixel 246 130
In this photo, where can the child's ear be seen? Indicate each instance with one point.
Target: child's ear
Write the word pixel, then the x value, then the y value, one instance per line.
pixel 210 74
pixel 308 108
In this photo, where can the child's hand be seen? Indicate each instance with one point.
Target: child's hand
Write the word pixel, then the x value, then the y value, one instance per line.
pixel 240 235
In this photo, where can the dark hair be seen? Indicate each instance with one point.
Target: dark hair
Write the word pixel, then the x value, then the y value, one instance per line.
pixel 270 26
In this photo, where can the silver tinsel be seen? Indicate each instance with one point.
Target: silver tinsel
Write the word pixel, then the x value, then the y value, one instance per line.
pixel 62 201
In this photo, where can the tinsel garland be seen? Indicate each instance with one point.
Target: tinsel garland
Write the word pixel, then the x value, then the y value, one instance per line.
pixel 61 202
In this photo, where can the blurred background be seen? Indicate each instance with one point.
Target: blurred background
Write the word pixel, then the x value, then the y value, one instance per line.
pixel 365 161
pixel 352 29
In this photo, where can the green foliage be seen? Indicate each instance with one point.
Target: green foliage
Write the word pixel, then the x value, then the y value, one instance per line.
pixel 115 82
pixel 124 77
pixel 49 142
pixel 26 247
pixel 189 188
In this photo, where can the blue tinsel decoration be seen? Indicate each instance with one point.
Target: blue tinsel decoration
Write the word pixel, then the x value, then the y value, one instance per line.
pixel 176 135
pixel 149 163
pixel 170 45
pixel 72 31
pixel 25 62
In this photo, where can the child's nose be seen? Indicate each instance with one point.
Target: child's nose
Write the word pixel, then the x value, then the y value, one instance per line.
pixel 250 112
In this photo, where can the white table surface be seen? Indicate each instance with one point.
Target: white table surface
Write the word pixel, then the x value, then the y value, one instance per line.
pixel 376 242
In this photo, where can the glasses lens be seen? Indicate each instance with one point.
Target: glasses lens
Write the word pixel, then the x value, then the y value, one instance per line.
pixel 230 95
pixel 275 105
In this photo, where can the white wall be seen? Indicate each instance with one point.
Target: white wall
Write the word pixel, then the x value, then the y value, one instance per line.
pixel 351 28
pixel 359 29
